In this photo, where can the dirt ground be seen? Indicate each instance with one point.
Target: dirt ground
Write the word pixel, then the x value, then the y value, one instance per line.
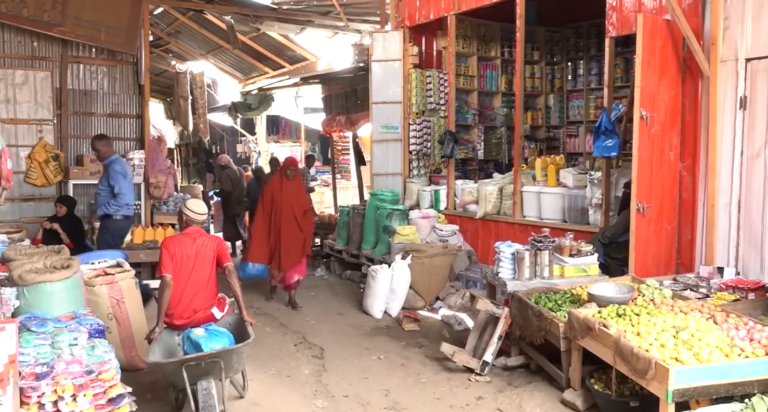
pixel 333 357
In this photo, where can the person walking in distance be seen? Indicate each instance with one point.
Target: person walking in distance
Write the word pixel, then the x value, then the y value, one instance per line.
pixel 114 195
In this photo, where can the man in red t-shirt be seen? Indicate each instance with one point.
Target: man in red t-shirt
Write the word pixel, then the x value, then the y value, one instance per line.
pixel 189 293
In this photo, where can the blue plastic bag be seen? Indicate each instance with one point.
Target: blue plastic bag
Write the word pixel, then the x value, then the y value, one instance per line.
pixel 206 338
pixel 248 270
pixel 607 142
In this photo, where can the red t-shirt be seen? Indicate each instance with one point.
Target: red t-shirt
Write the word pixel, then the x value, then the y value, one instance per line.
pixel 191 259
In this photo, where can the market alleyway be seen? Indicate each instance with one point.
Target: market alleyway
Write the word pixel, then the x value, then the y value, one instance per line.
pixel 333 357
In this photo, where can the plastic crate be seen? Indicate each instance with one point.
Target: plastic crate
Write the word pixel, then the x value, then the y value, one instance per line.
pixel 576 208
pixel 472 280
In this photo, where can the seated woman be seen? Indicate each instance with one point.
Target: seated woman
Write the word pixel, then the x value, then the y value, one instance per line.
pixel 63 228
pixel 612 242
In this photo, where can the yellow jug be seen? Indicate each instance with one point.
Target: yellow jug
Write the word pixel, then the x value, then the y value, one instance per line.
pixel 159 233
pixel 137 234
pixel 406 234
pixel 169 231
pixel 149 234
pixel 552 175
pixel 541 166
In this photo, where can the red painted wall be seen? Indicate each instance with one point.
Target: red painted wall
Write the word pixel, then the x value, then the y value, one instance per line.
pixel 481 234
pixel 425 36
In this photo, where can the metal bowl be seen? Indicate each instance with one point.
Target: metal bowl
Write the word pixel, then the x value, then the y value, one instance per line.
pixel 609 293
pixel 673 285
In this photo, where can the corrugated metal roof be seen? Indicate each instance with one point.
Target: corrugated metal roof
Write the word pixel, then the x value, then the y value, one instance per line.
pixel 228 61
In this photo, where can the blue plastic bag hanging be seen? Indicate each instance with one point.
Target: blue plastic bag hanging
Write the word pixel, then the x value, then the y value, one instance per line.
pixel 248 270
pixel 206 338
pixel 607 142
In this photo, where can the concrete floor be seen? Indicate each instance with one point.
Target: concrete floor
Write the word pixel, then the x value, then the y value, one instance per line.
pixel 333 357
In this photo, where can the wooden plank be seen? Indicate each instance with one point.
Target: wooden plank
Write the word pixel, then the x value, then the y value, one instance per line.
pixel 476 329
pixel 577 366
pixel 493 347
pixel 713 132
pixel 293 46
pixel 192 52
pixel 341 12
pixel 459 356
pixel 223 43
pixel 486 305
pixel 252 80
pixel 64 97
pixel 542 361
pixel 176 23
pixel 162 66
pixel 608 80
pixel 656 139
pixel 146 93
pixel 247 40
pixel 450 69
pixel 167 56
pixel 518 137
pixel 690 37
pixel 382 14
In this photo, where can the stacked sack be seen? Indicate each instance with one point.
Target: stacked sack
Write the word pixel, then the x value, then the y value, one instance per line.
pixel 505 259
pixel 66 365
pixel 40 272
pixel 387 287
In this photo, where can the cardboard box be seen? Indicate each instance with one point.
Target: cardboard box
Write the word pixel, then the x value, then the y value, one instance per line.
pixel 138 168
pixel 138 176
pixel 94 174
pixel 573 179
pixel 89 161
pixel 578 270
pixel 76 173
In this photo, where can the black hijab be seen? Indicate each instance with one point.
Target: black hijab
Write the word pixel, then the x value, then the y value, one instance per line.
pixel 626 197
pixel 70 224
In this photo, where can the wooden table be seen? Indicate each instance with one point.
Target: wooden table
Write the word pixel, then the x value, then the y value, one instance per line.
pixel 679 383
pixel 145 258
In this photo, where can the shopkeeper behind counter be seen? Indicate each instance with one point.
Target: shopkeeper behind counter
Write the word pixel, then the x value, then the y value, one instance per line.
pixel 612 242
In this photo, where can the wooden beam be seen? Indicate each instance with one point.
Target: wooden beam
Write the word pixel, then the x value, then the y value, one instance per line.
pixel 293 46
pixel 608 80
pixel 247 41
pixel 690 37
pixel 176 23
pixel 713 135
pixel 192 52
pixel 167 56
pixel 393 14
pixel 382 14
pixel 146 93
pixel 341 12
pixel 264 76
pixel 279 13
pixel 219 41
pixel 214 51
pixel 64 97
pixel 162 66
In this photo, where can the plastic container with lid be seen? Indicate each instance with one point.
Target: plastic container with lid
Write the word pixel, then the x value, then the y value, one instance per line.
pixel 576 208
pixel 532 202
pixel 553 203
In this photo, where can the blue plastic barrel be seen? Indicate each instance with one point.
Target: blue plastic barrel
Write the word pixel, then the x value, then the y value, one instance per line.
pixel 96 255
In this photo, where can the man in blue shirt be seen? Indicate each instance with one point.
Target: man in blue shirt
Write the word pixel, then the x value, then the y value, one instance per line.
pixel 114 195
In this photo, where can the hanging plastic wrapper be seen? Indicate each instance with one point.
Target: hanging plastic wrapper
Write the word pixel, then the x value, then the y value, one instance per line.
pixel 607 140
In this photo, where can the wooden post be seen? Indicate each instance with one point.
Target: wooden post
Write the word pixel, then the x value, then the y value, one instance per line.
pixel 64 98
pixel 608 75
pixel 713 132
pixel 517 144
pixel 382 14
pixel 333 174
pixel 358 172
pixel 393 14
pixel 145 92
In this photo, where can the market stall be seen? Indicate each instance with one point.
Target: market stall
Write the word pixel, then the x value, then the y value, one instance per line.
pixel 526 84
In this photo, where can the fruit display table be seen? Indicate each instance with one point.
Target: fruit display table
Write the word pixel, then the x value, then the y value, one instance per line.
pixel 678 383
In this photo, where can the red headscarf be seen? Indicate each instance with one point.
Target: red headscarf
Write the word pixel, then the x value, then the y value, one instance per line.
pixel 282 231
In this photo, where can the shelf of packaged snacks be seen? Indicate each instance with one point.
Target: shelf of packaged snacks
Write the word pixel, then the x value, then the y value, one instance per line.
pixel 672 383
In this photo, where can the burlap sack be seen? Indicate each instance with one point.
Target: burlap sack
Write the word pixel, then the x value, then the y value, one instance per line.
pixel 356 219
pixel 28 252
pixel 41 270
pixel 114 297
pixel 430 268
pixel 581 324
pixel 14 231
pixel 531 321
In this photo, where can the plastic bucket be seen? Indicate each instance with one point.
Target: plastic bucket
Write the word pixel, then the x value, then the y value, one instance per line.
pixel 96 255
pixel 607 403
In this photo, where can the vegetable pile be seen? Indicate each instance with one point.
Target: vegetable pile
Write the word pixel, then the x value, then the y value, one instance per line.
pixel 558 302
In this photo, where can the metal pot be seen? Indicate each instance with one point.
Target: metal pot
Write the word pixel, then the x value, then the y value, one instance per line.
pixel 525 262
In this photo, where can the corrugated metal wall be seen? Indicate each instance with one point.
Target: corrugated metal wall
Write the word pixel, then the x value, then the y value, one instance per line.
pixel 103 96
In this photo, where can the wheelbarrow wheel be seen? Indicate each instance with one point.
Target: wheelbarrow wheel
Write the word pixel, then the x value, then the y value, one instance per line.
pixel 241 389
pixel 179 399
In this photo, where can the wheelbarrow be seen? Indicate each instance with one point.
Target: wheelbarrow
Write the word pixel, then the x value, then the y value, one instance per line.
pixel 194 377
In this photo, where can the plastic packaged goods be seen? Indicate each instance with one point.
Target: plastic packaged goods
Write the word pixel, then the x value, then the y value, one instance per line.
pixel 412 187
pixel 401 283
pixel 466 196
pixel 342 227
pixel 64 367
pixel 370 225
pixel 489 198
pixel 424 220
pixel 425 197
pixel 505 260
pixel 206 338
pixel 390 217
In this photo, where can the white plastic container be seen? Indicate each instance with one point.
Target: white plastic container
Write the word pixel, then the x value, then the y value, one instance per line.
pixel 576 209
pixel 532 202
pixel 553 204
